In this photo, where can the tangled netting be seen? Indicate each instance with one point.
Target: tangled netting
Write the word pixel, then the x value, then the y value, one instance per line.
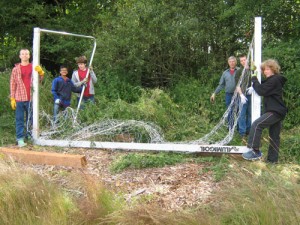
pixel 70 128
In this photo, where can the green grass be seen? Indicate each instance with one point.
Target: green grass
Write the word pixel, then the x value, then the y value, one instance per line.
pixel 142 160
pixel 218 166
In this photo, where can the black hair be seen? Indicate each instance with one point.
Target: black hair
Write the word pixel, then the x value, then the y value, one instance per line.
pixel 63 66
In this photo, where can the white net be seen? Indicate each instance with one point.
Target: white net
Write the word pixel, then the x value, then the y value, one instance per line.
pixel 70 128
pixel 68 125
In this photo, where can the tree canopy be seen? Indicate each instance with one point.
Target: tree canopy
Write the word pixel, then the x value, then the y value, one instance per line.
pixel 147 42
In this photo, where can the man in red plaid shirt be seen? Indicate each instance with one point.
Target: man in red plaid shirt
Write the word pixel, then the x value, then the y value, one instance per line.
pixel 20 94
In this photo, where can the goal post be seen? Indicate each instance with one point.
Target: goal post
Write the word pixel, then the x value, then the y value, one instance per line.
pixel 166 146
pixel 256 99
pixel 36 61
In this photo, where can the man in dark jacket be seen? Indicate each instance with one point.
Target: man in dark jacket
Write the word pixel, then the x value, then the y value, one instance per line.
pixel 244 75
pixel 274 112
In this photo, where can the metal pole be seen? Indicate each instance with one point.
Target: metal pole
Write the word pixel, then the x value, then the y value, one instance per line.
pixel 87 75
pixel 65 33
pixel 35 84
pixel 188 148
pixel 256 99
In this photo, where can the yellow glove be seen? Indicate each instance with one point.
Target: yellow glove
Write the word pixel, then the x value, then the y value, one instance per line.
pixel 13 103
pixel 39 70
pixel 253 67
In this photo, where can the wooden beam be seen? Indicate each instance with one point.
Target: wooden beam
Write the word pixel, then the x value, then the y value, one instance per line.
pixel 48 158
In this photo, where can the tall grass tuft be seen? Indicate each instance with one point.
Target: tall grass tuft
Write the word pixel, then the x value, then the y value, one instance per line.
pixel 97 201
pixel 27 198
pixel 260 195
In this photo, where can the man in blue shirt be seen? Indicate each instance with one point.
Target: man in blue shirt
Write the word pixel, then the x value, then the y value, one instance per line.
pixel 62 88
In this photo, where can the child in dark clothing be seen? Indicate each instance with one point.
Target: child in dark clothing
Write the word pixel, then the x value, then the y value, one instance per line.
pixel 62 88
pixel 274 112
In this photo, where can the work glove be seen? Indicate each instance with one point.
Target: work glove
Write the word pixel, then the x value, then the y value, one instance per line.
pixel 254 76
pixel 249 90
pixel 253 67
pixel 13 103
pixel 212 97
pixel 39 70
pixel 57 101
pixel 243 99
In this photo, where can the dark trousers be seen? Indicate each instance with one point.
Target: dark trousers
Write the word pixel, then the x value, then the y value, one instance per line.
pixel 230 119
pixel 273 122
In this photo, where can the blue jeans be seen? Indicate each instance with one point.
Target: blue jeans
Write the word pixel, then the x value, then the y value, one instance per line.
pixel 23 109
pixel 228 97
pixel 244 121
pixel 56 109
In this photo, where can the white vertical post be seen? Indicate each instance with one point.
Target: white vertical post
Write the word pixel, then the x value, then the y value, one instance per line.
pixel 256 99
pixel 35 83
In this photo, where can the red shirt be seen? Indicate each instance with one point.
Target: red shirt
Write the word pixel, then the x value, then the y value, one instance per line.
pixel 82 75
pixel 26 72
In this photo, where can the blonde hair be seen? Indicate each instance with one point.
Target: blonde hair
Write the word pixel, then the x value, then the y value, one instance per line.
pixel 272 64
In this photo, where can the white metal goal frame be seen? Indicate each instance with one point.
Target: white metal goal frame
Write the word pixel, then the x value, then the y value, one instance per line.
pixel 172 147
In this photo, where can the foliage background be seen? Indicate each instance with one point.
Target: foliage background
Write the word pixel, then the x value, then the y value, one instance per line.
pixel 156 60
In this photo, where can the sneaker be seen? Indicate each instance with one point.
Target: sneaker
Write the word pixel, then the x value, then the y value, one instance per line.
pixel 21 143
pixel 252 155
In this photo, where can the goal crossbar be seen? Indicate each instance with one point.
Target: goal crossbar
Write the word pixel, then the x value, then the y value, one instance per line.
pixel 171 147
pixel 36 61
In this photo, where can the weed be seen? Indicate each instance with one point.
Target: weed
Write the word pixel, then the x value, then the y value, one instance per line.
pixel 141 160
pixel 219 166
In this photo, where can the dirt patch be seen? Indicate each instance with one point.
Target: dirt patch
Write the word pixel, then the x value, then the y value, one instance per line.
pixel 172 187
